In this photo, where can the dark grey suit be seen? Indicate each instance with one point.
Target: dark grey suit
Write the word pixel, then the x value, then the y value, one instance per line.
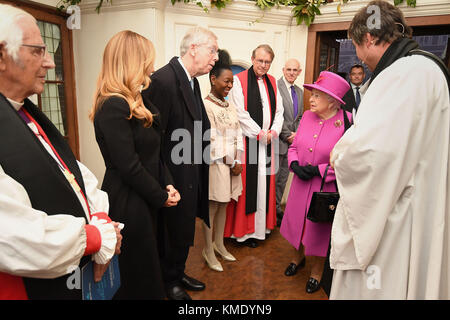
pixel 290 125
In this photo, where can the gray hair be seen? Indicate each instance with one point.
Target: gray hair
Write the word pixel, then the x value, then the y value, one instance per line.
pixel 11 35
pixel 336 103
pixel 196 35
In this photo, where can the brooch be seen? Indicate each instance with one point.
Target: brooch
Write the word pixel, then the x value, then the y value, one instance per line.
pixel 338 123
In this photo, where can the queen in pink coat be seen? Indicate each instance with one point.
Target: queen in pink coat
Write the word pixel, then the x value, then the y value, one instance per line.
pixel 308 156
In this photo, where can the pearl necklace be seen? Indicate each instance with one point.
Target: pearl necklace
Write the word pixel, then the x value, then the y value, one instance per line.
pixel 218 101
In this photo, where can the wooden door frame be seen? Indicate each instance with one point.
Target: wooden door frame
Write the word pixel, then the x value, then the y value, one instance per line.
pixel 313 52
pixel 52 15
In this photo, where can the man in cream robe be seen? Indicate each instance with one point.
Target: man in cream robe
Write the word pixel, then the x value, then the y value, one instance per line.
pixel 390 236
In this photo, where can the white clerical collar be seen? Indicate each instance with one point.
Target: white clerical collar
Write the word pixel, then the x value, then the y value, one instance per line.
pixel 15 104
pixel 185 70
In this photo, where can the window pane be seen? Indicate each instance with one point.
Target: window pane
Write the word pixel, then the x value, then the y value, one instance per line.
pixel 53 98
pixel 56 33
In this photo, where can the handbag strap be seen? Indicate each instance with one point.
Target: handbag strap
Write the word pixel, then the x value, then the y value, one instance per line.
pixel 324 177
pixel 347 124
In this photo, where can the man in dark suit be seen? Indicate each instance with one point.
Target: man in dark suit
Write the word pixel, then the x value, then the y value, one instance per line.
pixel 353 96
pixel 293 109
pixel 175 91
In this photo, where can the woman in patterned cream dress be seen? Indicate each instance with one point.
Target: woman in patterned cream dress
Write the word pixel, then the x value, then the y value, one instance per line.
pixel 224 173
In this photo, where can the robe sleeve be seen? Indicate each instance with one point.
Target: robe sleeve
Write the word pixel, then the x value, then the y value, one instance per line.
pixel 278 120
pixel 376 158
pixel 249 127
pixel 99 205
pixel 32 243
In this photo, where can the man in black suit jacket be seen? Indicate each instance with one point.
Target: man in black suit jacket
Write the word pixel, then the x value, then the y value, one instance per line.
pixel 176 92
pixel 353 97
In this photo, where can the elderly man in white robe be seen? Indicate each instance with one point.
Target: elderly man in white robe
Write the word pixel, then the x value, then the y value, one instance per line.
pixel 390 236
pixel 52 215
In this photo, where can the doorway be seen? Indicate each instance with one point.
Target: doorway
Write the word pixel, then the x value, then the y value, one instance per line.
pixel 329 49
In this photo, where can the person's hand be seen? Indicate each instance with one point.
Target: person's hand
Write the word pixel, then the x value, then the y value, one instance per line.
pixel 173 196
pixel 119 236
pixel 237 169
pixel 268 137
pixel 227 160
pixel 331 162
pixel 305 172
pixel 99 270
pixel 291 138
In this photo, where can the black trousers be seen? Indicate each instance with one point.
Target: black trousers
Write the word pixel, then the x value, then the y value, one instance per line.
pixel 173 265
pixel 327 275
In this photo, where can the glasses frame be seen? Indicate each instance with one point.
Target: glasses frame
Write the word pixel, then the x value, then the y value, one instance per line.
pixel 263 62
pixel 43 48
pixel 212 50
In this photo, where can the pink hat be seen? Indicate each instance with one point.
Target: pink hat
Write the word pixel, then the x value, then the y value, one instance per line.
pixel 330 83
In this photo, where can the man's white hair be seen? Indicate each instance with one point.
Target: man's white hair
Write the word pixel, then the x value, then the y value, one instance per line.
pixel 11 35
pixel 196 35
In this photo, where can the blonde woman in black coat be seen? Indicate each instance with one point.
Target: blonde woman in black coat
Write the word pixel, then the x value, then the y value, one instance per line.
pixel 137 183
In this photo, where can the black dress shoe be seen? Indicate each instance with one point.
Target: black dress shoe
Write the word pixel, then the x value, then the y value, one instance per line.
pixel 290 270
pixel 250 243
pixel 293 268
pixel 192 284
pixel 312 285
pixel 177 293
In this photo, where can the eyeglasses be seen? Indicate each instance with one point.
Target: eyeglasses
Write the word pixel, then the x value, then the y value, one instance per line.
pixel 39 50
pixel 212 50
pixel 263 62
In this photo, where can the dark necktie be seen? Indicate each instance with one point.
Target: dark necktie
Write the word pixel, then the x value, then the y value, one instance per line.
pixel 358 97
pixel 196 99
pixel 294 101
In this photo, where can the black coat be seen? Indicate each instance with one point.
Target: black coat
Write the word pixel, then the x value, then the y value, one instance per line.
pixel 133 181
pixel 349 99
pixel 172 94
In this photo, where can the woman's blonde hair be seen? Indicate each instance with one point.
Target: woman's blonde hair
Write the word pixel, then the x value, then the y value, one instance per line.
pixel 127 64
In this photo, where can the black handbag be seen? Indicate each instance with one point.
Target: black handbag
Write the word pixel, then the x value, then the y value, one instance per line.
pixel 323 204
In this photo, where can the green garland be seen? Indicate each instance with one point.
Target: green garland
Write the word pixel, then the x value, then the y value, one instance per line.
pixel 63 4
pixel 304 11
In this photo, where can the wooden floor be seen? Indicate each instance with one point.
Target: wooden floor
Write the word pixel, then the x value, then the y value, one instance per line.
pixel 258 273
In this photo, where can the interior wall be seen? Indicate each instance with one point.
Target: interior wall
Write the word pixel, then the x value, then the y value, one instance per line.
pixel 165 29
pixel 286 41
pixel 236 27
pixel 89 43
